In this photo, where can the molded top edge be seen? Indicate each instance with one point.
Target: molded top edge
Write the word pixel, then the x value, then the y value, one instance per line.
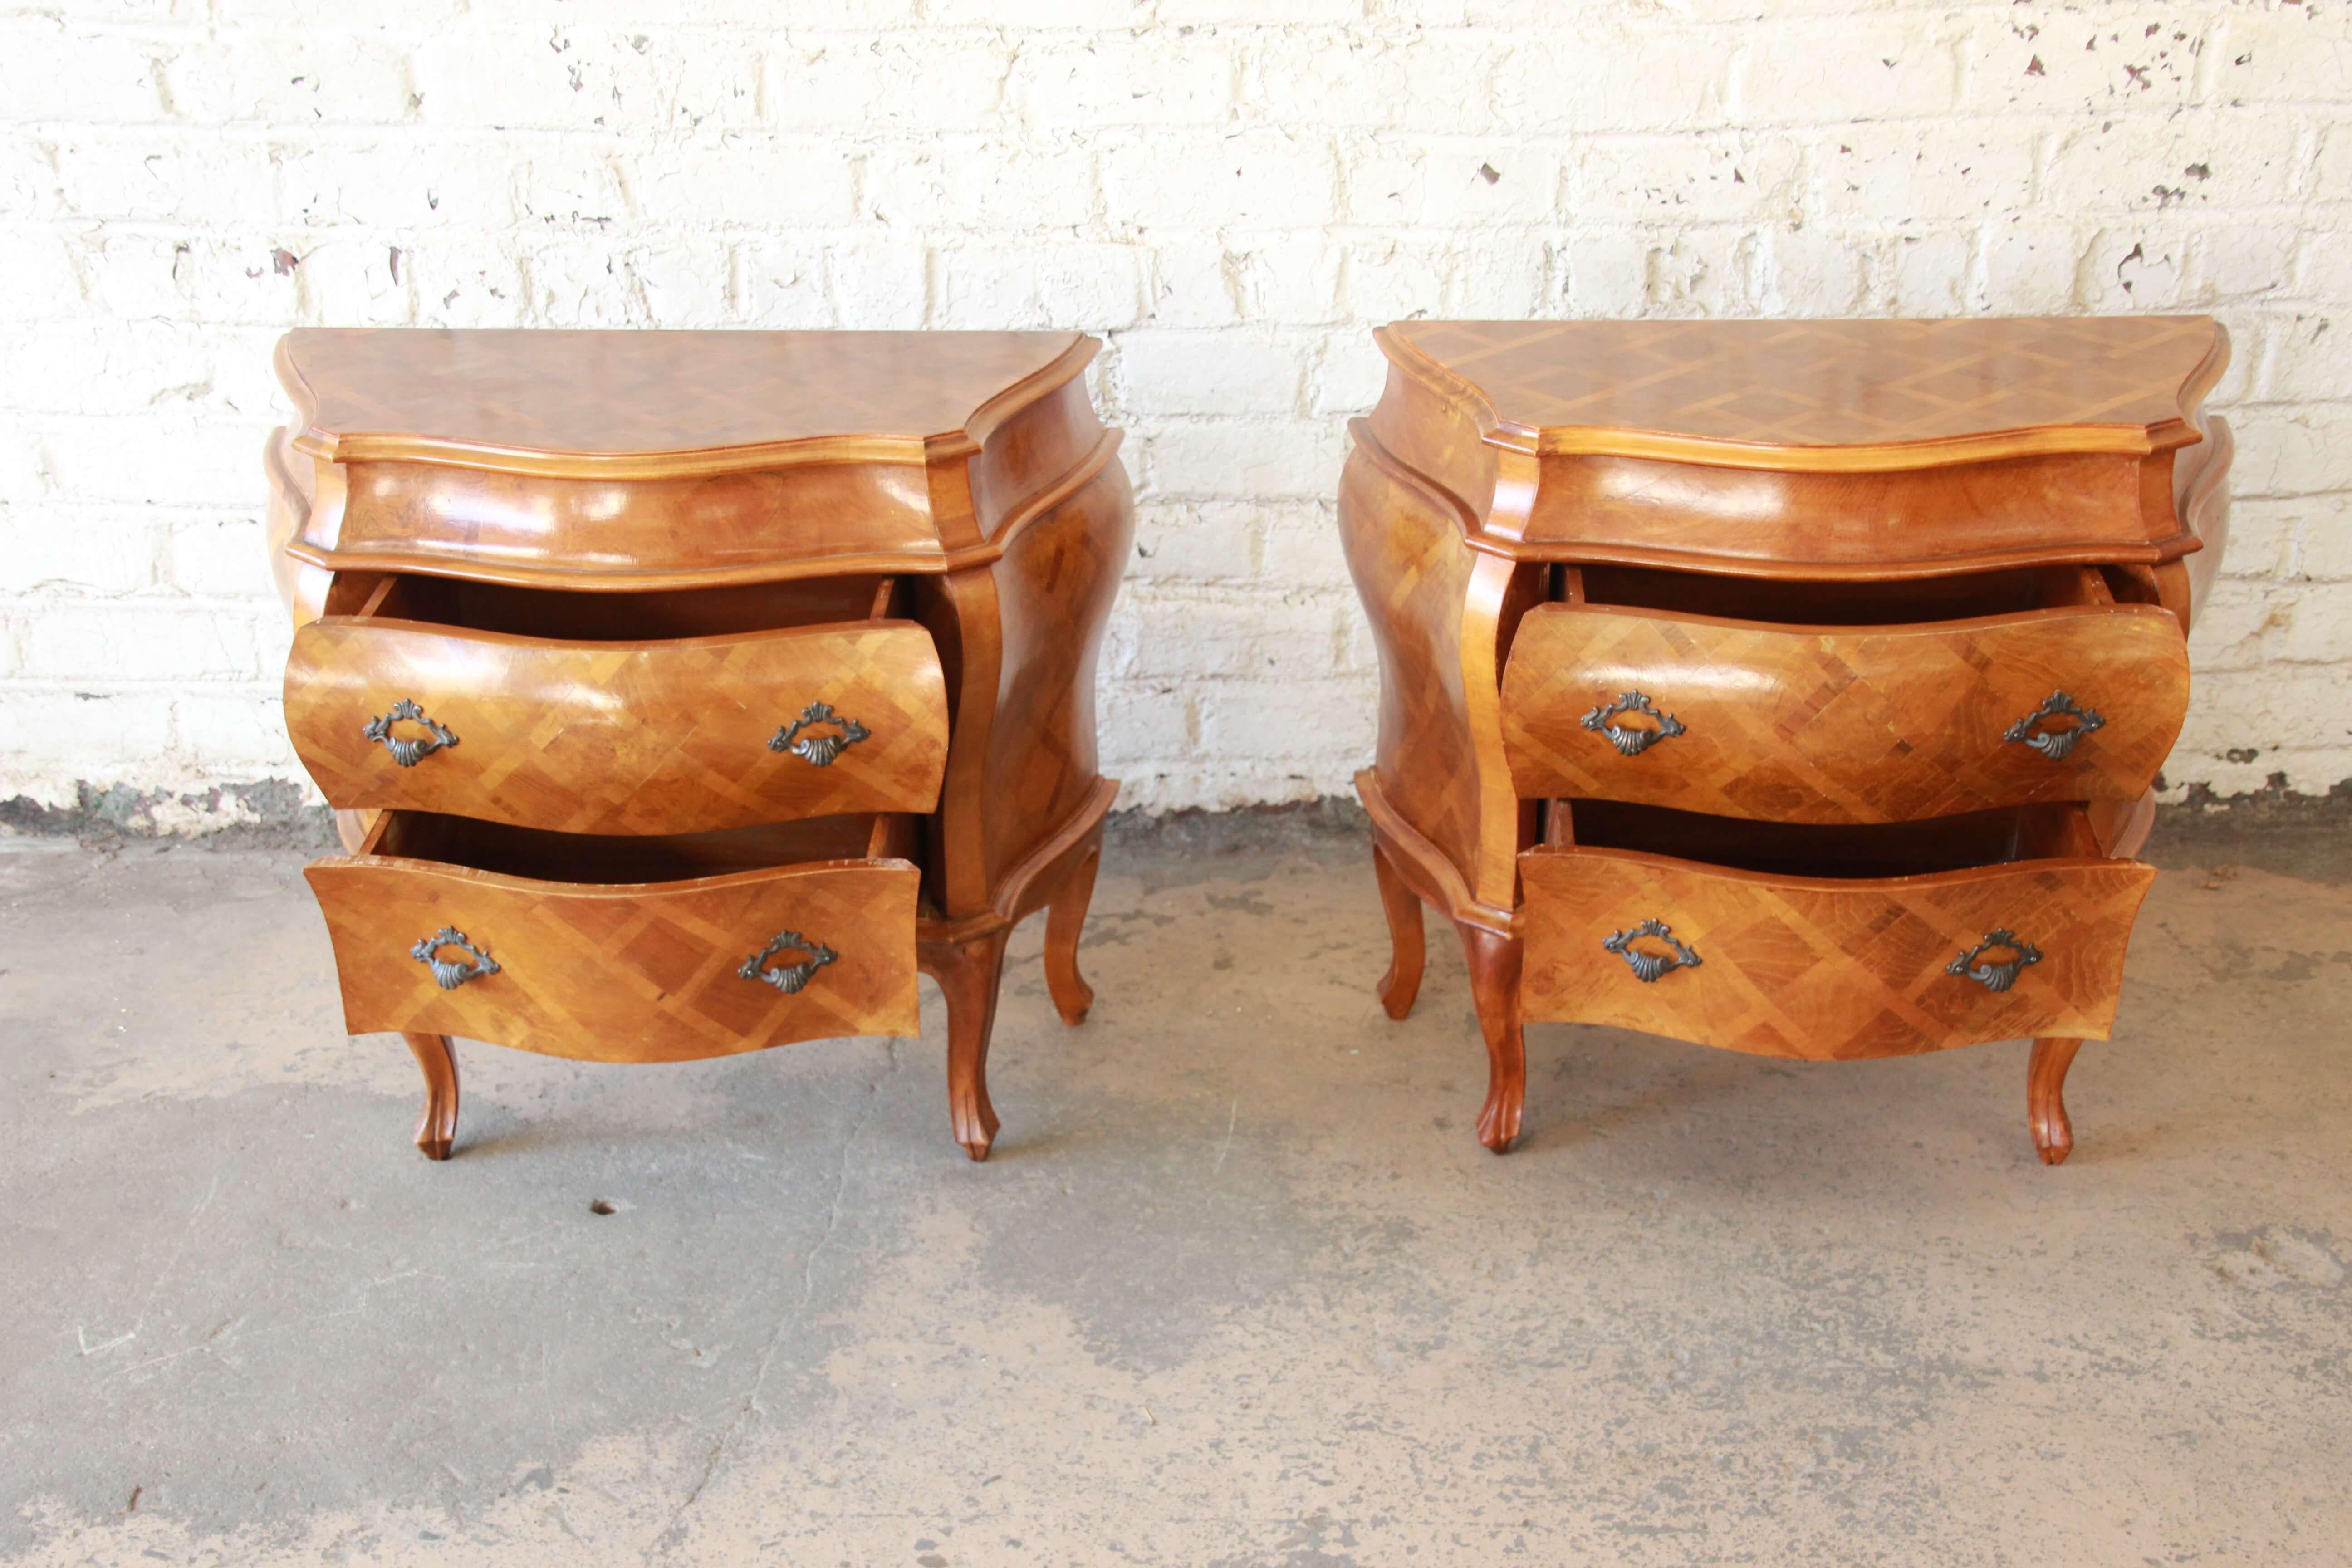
pixel 1850 396
pixel 651 404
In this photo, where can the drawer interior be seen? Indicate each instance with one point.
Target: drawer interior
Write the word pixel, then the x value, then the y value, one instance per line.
pixel 577 617
pixel 1959 596
pixel 2038 832
pixel 589 858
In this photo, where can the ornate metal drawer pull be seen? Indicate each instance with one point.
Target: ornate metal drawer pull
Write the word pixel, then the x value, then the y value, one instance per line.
pixel 1648 967
pixel 448 973
pixel 2054 743
pixel 1997 976
pixel 814 747
pixel 1631 742
pixel 405 752
pixel 790 977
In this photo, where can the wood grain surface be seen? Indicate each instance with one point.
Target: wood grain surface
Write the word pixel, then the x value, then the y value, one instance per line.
pixel 621 737
pixel 1846 558
pixel 1804 450
pixel 622 971
pixel 1054 591
pixel 1845 724
pixel 1840 395
pixel 1907 523
pixel 633 461
pixel 436 1124
pixel 502 397
pixel 2045 1099
pixel 621 535
pixel 1827 968
pixel 653 507
pixel 1413 573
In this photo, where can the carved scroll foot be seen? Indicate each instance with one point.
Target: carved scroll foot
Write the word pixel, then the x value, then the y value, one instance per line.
pixel 1401 984
pixel 969 973
pixel 436 1129
pixel 1495 961
pixel 2045 1103
pixel 1065 918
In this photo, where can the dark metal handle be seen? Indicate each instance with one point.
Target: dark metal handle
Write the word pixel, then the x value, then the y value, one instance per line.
pixel 448 973
pixel 1648 967
pixel 815 747
pixel 1997 976
pixel 790 977
pixel 2053 743
pixel 405 752
pixel 1631 742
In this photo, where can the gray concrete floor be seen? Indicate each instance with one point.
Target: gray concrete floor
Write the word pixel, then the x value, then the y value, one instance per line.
pixel 1237 1288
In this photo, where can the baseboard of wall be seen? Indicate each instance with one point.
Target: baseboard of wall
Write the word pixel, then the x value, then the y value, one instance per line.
pixel 2274 828
pixel 273 813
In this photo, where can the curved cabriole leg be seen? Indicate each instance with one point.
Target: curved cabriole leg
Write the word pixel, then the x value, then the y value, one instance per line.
pixel 1495 960
pixel 969 973
pixel 436 1129
pixel 2045 1100
pixel 1065 918
pixel 1401 984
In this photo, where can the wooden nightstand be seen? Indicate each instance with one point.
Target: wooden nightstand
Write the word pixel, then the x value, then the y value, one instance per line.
pixel 685 693
pixel 1795 688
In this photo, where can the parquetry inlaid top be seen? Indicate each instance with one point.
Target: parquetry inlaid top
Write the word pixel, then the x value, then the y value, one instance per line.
pixel 406 393
pixel 1706 390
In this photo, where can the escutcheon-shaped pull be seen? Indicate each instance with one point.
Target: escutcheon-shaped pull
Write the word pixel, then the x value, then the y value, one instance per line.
pixel 1650 967
pixel 407 751
pixel 447 972
pixel 818 748
pixel 787 978
pixel 1997 976
pixel 2053 745
pixel 1632 742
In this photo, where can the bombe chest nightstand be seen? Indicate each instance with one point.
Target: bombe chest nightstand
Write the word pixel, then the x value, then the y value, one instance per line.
pixel 682 694
pixel 1794 688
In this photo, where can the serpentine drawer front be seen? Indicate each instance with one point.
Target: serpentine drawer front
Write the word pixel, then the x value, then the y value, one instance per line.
pixel 1843 723
pixel 1823 967
pixel 684 693
pixel 638 737
pixel 1791 687
pixel 623 973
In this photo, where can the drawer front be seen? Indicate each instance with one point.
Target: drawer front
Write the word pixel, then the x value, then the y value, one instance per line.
pixel 1841 724
pixel 1831 970
pixel 745 526
pixel 620 738
pixel 649 972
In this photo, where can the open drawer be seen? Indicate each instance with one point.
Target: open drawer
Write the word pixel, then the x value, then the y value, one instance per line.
pixel 652 949
pixel 1845 704
pixel 1895 939
pixel 767 703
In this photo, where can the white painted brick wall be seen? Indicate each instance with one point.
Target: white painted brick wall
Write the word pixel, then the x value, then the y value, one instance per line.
pixel 1234 192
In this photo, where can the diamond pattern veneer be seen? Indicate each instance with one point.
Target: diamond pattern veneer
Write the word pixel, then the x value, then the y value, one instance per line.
pixel 1795 688
pixel 681 694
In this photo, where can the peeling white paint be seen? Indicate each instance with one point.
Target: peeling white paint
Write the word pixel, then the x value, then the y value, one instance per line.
pixel 1234 192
